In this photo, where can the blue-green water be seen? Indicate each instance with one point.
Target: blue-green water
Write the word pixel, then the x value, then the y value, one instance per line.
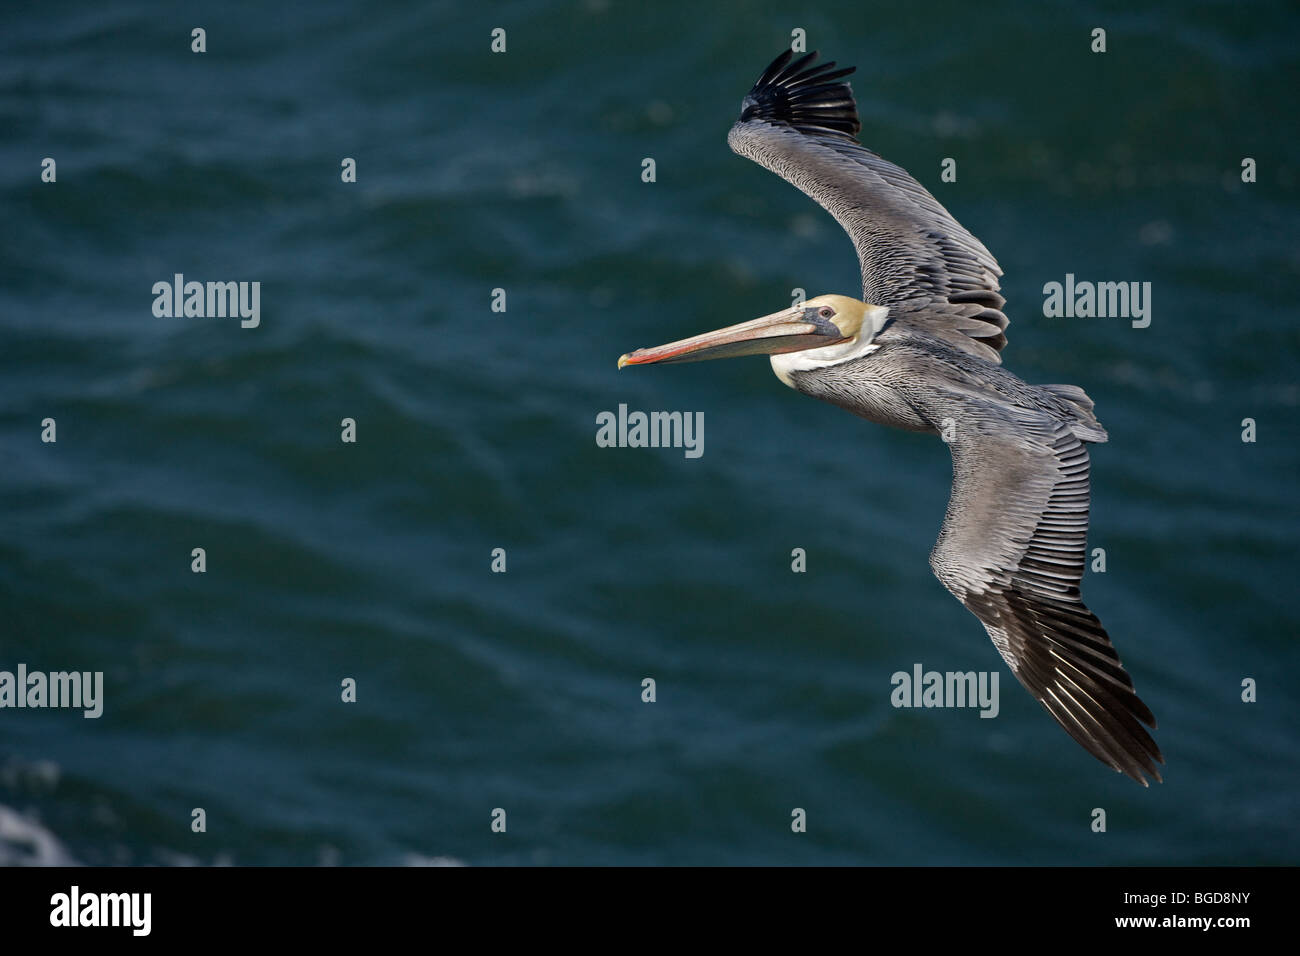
pixel 476 430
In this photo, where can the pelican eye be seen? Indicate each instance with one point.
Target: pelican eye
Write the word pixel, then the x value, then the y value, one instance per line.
pixel 826 312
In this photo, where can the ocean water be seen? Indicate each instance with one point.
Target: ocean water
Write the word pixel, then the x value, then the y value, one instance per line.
pixel 476 431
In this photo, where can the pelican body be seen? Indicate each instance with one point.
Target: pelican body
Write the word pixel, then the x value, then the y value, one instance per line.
pixel 921 350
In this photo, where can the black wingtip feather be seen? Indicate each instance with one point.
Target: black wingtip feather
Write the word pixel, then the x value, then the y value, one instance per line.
pixel 807 97
pixel 1066 660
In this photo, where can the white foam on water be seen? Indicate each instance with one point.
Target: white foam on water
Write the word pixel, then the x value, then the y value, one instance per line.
pixel 419 859
pixel 25 842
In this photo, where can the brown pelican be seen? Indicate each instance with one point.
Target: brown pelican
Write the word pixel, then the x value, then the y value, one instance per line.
pixel 921 351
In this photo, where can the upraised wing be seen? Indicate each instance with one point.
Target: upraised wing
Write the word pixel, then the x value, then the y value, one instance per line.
pixel 801 122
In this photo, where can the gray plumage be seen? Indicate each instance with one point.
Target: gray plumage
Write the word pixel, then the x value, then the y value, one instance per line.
pixel 800 123
pixel 1012 545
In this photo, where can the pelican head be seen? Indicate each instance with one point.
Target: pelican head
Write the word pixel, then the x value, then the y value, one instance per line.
pixel 820 331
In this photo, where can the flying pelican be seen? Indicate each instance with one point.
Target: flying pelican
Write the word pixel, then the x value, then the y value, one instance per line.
pixel 921 351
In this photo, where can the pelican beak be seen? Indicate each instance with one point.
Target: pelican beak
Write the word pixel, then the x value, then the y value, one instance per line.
pixel 791 330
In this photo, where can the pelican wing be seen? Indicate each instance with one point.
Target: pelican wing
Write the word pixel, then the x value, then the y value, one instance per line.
pixel 801 122
pixel 1012 549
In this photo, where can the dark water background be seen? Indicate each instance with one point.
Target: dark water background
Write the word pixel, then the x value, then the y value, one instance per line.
pixel 476 431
